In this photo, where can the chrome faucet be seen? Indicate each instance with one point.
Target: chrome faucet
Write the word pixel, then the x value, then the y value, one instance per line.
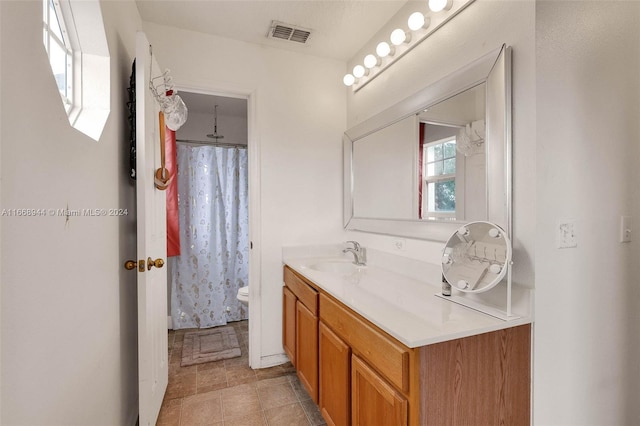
pixel 359 253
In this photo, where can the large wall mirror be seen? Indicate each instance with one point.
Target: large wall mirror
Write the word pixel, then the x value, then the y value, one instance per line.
pixel 439 158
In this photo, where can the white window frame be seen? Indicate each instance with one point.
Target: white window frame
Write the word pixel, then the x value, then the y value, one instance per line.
pixel 89 76
pixel 438 178
pixel 50 36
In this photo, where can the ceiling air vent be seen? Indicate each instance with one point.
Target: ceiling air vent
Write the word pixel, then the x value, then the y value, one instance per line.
pixel 283 31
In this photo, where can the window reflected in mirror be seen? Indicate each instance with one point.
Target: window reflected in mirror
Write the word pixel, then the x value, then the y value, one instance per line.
pixel 428 166
pixel 439 159
pixel 452 165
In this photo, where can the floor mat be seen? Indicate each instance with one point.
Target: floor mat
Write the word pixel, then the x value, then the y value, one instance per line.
pixel 212 344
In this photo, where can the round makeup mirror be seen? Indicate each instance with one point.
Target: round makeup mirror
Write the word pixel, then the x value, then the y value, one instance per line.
pixel 476 257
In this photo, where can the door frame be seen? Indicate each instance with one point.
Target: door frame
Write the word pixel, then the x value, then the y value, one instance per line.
pixel 253 146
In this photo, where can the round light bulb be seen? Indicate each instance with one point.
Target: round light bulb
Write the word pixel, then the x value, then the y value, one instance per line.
pixel 398 36
pixel 438 5
pixel 348 80
pixel 383 49
pixel 495 269
pixel 416 21
pixel 463 231
pixel 370 61
pixel 359 71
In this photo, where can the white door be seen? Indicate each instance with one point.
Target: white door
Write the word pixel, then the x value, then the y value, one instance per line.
pixel 152 245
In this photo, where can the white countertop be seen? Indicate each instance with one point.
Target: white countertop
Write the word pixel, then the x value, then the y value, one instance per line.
pixel 404 307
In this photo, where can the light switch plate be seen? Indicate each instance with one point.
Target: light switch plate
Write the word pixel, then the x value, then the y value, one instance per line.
pixel 626 229
pixel 399 244
pixel 566 237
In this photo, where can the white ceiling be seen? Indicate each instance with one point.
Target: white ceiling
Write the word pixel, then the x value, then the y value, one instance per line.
pixel 339 28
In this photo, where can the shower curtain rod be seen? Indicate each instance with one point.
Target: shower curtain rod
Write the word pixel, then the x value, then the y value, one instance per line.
pixel 222 144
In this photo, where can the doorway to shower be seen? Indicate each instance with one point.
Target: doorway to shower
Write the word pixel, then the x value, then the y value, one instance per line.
pixel 213 213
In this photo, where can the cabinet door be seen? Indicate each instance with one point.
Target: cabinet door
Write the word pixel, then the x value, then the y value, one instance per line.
pixel 374 401
pixel 335 358
pixel 289 324
pixel 307 349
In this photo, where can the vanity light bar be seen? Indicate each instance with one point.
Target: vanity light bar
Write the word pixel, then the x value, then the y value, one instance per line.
pixel 420 26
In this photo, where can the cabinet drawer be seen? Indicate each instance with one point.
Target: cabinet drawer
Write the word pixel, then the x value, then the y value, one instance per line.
pixel 389 358
pixel 305 293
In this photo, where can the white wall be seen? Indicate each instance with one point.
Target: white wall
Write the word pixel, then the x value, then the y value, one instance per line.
pixel 300 117
pixel 68 307
pixel 587 332
pixel 386 184
pixel 1 206
pixel 484 26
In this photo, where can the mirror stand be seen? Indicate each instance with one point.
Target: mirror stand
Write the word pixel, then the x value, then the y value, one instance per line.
pixel 505 315
pixel 477 257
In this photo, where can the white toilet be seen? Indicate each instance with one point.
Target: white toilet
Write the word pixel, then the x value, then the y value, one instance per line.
pixel 243 295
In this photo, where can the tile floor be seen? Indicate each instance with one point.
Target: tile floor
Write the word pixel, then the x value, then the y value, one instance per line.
pixel 230 393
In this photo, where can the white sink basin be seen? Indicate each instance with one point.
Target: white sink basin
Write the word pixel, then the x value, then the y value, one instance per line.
pixel 337 267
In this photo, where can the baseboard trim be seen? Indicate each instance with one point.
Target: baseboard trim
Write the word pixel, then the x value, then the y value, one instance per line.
pixel 169 323
pixel 272 360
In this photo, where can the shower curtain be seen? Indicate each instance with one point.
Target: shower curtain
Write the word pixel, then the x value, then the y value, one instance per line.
pixel 214 237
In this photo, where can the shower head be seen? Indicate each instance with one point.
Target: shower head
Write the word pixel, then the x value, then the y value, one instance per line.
pixel 215 134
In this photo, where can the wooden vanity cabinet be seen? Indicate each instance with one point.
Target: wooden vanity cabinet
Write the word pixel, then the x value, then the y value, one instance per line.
pixel 335 378
pixel 307 349
pixel 478 380
pixel 289 324
pixel 364 376
pixel 300 329
pixel 377 386
pixel 373 400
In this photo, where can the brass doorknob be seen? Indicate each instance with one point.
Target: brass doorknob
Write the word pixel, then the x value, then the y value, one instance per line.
pixel 131 264
pixel 158 263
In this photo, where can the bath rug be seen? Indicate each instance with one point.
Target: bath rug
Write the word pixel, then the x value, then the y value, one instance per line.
pixel 212 344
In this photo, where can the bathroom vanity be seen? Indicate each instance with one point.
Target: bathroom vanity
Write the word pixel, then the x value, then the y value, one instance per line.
pixel 373 344
pixel 373 347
